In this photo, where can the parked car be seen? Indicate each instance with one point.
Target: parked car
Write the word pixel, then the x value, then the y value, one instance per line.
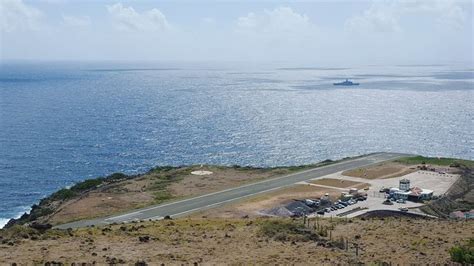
pixel 309 202
pixel 400 201
pixel 403 209
pixel 322 212
pixel 387 202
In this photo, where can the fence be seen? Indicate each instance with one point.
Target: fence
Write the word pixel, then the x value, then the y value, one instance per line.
pixel 327 231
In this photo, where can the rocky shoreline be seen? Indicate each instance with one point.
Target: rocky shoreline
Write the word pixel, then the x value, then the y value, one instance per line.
pixel 160 179
pixel 49 205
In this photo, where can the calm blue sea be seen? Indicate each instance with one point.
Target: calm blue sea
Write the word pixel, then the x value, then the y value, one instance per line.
pixel 65 122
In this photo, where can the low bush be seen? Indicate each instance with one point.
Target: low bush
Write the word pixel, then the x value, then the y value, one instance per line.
pixel 463 253
pixel 161 196
pixel 282 230
pixel 159 169
pixel 62 194
pixel 116 176
pixel 39 212
pixel 436 161
pixel 87 184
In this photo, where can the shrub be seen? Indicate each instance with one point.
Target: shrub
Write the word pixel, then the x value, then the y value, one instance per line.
pixel 116 176
pixel 159 169
pixel 87 184
pixel 281 230
pixel 39 212
pixel 62 194
pixel 18 232
pixel 463 253
pixel 436 161
pixel 161 196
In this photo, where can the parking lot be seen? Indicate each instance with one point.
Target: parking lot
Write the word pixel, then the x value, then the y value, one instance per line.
pixel 372 203
pixel 439 183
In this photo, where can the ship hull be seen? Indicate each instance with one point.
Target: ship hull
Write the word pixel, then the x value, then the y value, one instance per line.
pixel 339 84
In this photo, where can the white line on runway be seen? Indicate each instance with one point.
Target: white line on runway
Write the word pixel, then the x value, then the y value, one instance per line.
pixel 222 202
pixel 251 184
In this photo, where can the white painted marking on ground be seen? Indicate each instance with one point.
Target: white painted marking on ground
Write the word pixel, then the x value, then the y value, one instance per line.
pixel 251 184
pixel 221 202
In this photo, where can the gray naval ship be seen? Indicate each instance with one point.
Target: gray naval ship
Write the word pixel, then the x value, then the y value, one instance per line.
pixel 346 83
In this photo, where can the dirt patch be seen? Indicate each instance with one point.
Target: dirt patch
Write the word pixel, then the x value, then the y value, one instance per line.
pixel 254 206
pixel 99 205
pixel 221 178
pixel 157 186
pixel 340 183
pixel 383 170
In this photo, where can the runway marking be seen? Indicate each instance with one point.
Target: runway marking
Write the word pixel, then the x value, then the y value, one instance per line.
pixel 370 158
pixel 222 202
pixel 121 216
pixel 228 200
pixel 248 185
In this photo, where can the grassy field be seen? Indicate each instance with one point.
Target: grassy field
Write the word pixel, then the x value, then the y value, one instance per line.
pixel 436 161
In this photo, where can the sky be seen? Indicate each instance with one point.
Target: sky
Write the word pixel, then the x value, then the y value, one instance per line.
pixel 324 32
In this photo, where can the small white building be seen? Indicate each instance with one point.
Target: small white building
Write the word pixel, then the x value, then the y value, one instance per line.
pixel 413 194
pixel 421 193
pixel 399 194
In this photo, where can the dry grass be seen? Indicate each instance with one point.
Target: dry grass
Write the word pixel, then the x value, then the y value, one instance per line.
pixel 383 170
pixel 405 241
pixel 149 189
pixel 340 183
pixel 239 241
pixel 253 206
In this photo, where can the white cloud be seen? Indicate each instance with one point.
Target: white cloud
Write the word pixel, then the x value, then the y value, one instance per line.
pixel 76 21
pixel 447 12
pixel 18 16
pixel 280 34
pixel 126 18
pixel 278 20
pixel 385 16
pixel 377 18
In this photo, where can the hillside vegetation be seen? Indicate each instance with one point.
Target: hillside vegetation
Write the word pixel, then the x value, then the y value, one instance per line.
pixel 436 161
pixel 242 241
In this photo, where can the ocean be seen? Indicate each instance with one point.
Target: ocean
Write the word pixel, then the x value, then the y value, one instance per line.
pixel 64 122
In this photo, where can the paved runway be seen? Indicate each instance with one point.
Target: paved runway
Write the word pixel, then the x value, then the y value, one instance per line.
pixel 183 207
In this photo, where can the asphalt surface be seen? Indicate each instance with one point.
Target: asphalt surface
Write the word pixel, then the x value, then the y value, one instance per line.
pixel 184 207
